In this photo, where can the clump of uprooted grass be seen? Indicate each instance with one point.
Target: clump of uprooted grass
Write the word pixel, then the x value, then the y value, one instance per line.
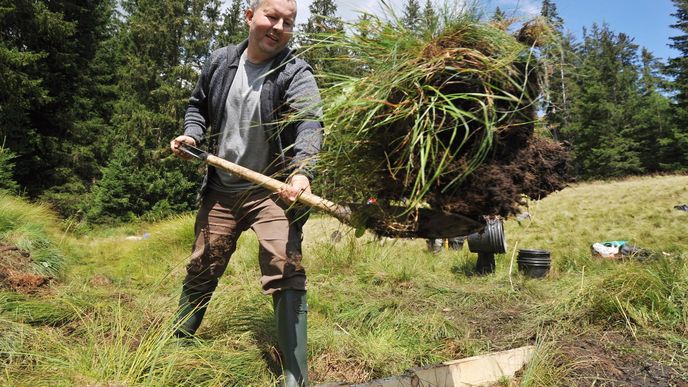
pixel 444 118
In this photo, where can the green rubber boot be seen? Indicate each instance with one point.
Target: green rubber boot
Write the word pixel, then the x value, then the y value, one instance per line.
pixel 192 307
pixel 291 312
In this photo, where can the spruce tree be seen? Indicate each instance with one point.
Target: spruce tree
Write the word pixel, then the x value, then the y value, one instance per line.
pixel 323 17
pixel 322 23
pixel 199 34
pixel 24 48
pixel 549 12
pixel 604 139
pixel 159 67
pixel 675 155
pixel 54 98
pixel 234 28
pixel 498 15
pixel 430 18
pixel 557 57
pixel 7 182
pixel 654 117
pixel 678 66
pixel 412 16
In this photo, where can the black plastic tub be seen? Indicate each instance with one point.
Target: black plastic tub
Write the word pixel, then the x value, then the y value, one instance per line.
pixel 534 263
pixel 533 253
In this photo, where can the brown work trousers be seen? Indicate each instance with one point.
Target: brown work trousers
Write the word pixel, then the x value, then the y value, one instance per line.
pixel 221 220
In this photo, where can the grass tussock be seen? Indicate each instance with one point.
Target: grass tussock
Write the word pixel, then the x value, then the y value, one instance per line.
pixel 33 229
pixel 647 294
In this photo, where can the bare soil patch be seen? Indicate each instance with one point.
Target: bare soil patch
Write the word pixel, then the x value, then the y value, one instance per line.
pixel 16 272
pixel 612 358
pixel 334 366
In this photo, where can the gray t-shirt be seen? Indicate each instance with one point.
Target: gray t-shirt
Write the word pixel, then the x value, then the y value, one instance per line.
pixel 243 140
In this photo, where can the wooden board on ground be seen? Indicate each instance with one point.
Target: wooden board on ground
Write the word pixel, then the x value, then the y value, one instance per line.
pixel 483 370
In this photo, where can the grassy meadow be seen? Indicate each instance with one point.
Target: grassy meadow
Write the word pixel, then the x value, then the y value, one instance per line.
pixel 376 307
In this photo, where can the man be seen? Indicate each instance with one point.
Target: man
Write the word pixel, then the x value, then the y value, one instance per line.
pixel 261 104
pixel 435 245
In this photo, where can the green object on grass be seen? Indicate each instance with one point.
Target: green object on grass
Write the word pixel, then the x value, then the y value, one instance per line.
pixel 614 243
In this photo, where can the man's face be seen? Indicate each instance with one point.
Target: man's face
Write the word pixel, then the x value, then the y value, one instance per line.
pixel 270 28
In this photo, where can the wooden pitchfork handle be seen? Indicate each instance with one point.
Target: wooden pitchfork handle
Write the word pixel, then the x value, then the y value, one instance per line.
pixel 342 213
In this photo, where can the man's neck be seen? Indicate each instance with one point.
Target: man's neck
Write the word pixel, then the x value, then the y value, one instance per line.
pixel 255 59
pixel 258 59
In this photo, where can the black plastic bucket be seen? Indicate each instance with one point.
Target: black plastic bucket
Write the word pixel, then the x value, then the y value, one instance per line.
pixel 490 240
pixel 526 253
pixel 534 263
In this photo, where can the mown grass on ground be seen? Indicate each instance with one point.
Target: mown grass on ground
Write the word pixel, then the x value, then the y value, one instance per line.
pixel 376 307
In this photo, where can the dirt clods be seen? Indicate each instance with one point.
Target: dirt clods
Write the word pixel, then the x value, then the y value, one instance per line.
pixel 16 273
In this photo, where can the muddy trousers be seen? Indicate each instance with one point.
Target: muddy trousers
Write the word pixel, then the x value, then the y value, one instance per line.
pixel 219 223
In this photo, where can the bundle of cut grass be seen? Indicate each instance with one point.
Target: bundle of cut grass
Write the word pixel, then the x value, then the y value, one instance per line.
pixel 445 120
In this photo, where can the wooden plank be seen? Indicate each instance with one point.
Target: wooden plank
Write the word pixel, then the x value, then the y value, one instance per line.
pixel 482 370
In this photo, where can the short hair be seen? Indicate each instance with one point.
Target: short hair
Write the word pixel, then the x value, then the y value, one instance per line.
pixel 256 3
